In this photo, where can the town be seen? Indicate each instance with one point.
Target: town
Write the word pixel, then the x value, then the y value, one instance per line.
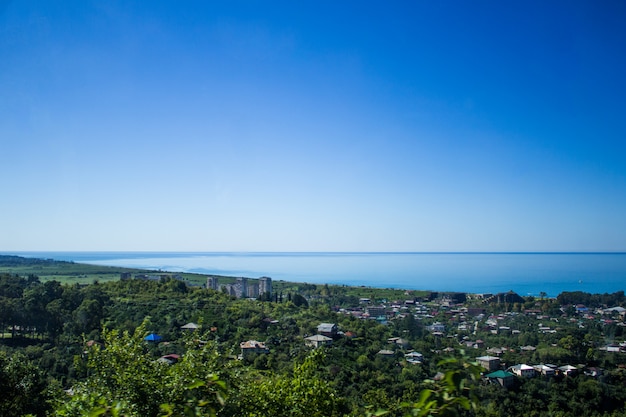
pixel 256 346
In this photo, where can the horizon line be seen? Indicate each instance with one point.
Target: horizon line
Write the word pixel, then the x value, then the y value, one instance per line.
pixel 533 252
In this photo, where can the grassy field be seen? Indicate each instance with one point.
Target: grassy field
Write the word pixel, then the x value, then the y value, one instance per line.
pixel 71 272
pixel 65 272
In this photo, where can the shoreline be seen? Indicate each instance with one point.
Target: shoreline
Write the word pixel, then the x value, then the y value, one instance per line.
pixel 528 274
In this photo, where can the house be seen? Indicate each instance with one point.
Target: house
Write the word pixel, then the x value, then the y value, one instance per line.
pixel 252 346
pixel 386 353
pixel 399 341
pixel 496 350
pixel 612 310
pixel 414 357
pixel 612 348
pixel 478 344
pixel 473 311
pixel 594 371
pixel 490 363
pixel 376 311
pixel 327 329
pixel 581 308
pixel 545 370
pixel 568 370
pixel 504 378
pixel 170 359
pixel 190 326
pixel 436 327
pixel 523 370
pixel 318 340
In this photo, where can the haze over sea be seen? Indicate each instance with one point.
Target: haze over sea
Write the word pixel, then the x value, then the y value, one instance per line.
pixel 524 273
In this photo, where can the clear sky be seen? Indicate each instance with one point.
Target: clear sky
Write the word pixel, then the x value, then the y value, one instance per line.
pixel 313 126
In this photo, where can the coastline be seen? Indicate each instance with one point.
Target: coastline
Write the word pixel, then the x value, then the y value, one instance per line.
pixel 527 273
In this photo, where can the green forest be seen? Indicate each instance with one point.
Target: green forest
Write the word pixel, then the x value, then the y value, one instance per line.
pixel 72 344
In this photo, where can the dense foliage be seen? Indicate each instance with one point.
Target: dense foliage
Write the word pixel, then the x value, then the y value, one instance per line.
pixel 89 341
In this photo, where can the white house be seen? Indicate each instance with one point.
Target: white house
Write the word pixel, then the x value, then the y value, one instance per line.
pixel 318 340
pixel 523 370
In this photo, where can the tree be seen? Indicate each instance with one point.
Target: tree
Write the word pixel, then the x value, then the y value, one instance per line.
pixel 124 378
pixel 449 395
pixel 23 387
pixel 300 301
pixel 306 393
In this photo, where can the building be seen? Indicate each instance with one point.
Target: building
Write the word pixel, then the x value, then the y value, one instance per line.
pixel 230 289
pixel 241 287
pixel 253 290
pixel 504 378
pixel 376 311
pixel 545 370
pixel 523 370
pixel 414 357
pixel 490 363
pixel 190 326
pixel 568 370
pixel 399 341
pixel 436 327
pixel 211 283
pixel 265 285
pixel 252 346
pixel 474 311
pixel 170 359
pixel 318 340
pixel 327 329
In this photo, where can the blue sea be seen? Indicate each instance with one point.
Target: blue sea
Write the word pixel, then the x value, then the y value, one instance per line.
pixel 524 273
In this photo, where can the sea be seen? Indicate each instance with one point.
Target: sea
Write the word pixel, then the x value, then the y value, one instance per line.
pixel 524 273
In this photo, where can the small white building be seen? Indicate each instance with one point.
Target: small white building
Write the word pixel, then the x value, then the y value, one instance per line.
pixel 523 370
pixel 545 370
pixel 318 340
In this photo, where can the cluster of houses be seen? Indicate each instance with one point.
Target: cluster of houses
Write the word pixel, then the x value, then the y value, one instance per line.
pixel 410 357
pixel 326 333
pixel 506 377
pixel 459 320
pixel 473 319
pixel 324 337
pixel 386 311
pixel 470 320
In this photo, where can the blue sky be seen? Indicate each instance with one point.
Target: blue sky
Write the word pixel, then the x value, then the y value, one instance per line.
pixel 313 126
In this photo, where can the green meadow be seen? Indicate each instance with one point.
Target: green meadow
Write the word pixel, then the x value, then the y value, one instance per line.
pixel 78 273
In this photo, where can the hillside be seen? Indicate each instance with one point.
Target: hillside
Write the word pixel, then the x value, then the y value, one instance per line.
pixel 308 350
